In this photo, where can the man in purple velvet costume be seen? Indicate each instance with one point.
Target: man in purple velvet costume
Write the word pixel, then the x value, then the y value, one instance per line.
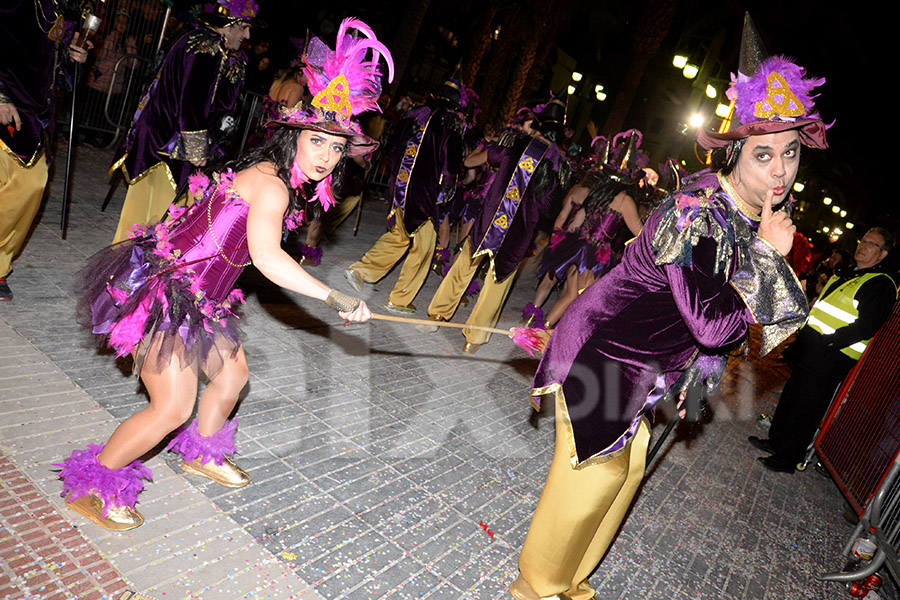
pixel 708 263
pixel 527 188
pixel 182 112
pixel 426 153
pixel 33 35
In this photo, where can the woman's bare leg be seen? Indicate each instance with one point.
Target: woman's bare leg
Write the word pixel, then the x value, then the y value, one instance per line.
pixel 568 295
pixel 314 233
pixel 444 233
pixel 545 286
pixel 222 393
pixel 173 391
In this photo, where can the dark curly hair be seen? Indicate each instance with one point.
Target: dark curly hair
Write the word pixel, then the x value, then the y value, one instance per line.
pixel 280 149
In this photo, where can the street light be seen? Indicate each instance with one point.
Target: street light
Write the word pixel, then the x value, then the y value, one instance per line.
pixel 690 71
pixel 571 89
pixel 679 61
pixel 601 96
pixel 849 225
pixel 843 213
pixel 696 120
pixel 722 110
pixel 798 187
pixel 576 76
pixel 826 200
pixel 835 209
pixel 711 91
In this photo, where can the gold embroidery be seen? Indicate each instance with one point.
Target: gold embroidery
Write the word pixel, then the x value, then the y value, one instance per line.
pixel 191 145
pixel 203 42
pixel 742 206
pixel 501 222
pixel 412 150
pixel 403 175
pixel 528 164
pixel 58 31
pixel 513 194
pixel 234 69
pixel 780 101
pixel 335 97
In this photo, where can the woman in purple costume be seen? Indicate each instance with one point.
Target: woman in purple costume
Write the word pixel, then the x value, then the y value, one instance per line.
pixel 580 250
pixel 166 295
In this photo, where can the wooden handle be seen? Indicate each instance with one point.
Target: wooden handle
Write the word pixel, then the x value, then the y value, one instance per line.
pixel 507 332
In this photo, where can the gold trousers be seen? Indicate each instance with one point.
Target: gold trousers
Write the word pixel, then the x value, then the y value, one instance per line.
pixel 21 191
pixel 486 311
pixel 337 214
pixel 146 201
pixel 578 515
pixel 387 252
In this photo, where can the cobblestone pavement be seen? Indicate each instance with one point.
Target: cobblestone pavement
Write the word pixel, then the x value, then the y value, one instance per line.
pixel 379 455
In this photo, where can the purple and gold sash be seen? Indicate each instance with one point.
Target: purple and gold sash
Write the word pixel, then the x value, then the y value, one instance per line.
pixel 515 189
pixel 408 163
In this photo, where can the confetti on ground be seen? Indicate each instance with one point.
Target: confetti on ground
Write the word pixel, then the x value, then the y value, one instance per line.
pixel 288 555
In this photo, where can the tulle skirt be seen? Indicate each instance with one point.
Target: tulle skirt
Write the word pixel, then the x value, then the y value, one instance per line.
pixel 138 302
pixel 574 250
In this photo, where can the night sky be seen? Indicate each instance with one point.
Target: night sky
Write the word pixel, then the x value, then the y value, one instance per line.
pixel 836 43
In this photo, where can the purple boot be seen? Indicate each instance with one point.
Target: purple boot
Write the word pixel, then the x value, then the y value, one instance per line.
pixel 103 495
pixel 205 456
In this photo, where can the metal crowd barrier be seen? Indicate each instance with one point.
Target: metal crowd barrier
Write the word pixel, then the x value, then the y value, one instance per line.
pixel 859 444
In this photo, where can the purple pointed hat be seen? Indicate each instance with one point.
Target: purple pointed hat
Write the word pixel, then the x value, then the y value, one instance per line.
pixel 770 94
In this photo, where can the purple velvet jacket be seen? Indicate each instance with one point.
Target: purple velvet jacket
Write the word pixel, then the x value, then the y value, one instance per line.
pixel 28 68
pixel 687 287
pixel 198 84
pixel 427 175
pixel 532 204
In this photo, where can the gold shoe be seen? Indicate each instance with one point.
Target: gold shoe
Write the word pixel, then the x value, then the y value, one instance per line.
pixel 470 348
pixel 355 279
pixel 430 328
pixel 227 474
pixel 119 518
pixel 404 310
pixel 521 590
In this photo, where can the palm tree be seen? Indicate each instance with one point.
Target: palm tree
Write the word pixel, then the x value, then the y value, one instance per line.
pixel 493 85
pixel 649 33
pixel 481 41
pixel 403 44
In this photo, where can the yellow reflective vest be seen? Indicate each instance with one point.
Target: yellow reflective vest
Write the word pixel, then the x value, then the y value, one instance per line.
pixel 837 307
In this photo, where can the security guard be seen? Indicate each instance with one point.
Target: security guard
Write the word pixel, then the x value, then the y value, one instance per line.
pixel 852 306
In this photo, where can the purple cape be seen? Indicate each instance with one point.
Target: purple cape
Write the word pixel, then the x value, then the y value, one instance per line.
pixel 436 168
pixel 27 75
pixel 535 204
pixel 197 85
pixel 688 286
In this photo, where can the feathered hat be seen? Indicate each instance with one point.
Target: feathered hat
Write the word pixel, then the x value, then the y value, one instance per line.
pixel 343 83
pixel 770 94
pixel 223 13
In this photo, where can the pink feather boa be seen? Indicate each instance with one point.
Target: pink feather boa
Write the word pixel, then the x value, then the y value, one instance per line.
pixel 323 188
